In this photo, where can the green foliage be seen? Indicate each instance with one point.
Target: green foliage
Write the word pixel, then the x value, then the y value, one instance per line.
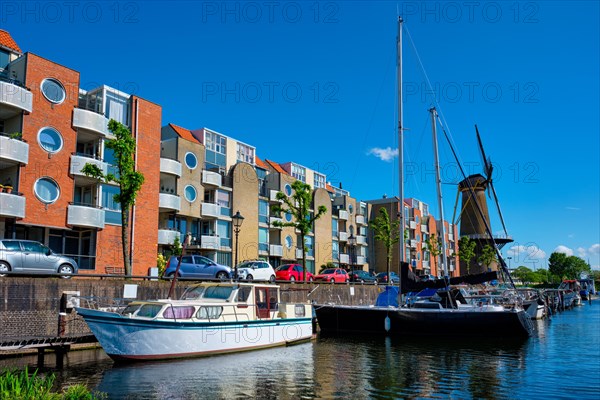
pixel 177 247
pixel 567 267
pixel 16 385
pixel 298 205
pixel 326 266
pixel 488 256
pixel 129 180
pixel 387 232
pixel 466 251
pixel 161 263
pixel 16 135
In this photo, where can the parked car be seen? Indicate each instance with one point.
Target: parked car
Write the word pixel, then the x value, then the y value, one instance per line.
pixel 196 266
pixel 256 270
pixel 383 278
pixel 30 257
pixel 358 275
pixel 292 272
pixel 333 275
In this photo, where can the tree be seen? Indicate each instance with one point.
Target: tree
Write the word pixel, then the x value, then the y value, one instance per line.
pixel 129 180
pixel 388 232
pixel 488 256
pixel 298 205
pixel 567 267
pixel 466 251
pixel 434 246
pixel 524 274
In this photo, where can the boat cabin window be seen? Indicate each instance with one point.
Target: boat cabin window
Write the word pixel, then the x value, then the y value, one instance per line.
pixel 149 310
pixel 244 293
pixel 193 293
pixel 130 309
pixel 266 301
pixel 218 292
pixel 179 312
pixel 209 312
pixel 299 310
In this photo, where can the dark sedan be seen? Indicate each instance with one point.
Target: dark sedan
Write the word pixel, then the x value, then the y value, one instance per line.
pixel 383 278
pixel 361 276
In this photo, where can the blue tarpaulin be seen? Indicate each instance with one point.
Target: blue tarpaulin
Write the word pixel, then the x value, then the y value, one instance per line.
pixel 388 298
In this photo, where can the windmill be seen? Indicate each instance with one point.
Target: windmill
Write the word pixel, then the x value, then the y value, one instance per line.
pixel 471 223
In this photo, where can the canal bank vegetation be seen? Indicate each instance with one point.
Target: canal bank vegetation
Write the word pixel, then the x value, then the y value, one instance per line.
pixel 560 267
pixel 20 385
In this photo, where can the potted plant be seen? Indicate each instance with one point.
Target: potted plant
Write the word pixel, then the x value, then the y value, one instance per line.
pixel 8 189
pixel 15 135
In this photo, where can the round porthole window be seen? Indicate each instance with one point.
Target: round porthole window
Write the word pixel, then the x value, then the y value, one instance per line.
pixel 288 217
pixel 191 160
pixel 190 193
pixel 53 90
pixel 50 139
pixel 350 208
pixel 288 189
pixel 47 190
pixel 289 242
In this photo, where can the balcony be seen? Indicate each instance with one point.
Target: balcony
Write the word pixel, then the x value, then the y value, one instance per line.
pixel 451 237
pixel 343 215
pixel 171 167
pixel 276 250
pixel 209 242
pixel 273 196
pixel 78 161
pixel 274 219
pixel 169 202
pixel 12 205
pixel 343 236
pixel 91 121
pixel 412 243
pixel 85 216
pixel 361 220
pixel 13 151
pixel 344 258
pixel 211 179
pixel 361 260
pixel 362 240
pixel 424 229
pixel 167 236
pixel 412 225
pixel 14 99
pixel 210 210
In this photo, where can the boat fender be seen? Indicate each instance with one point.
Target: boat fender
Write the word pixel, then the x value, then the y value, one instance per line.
pixel 386 324
pixel 281 314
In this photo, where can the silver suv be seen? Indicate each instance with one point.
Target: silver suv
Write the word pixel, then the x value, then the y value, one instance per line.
pixel 29 257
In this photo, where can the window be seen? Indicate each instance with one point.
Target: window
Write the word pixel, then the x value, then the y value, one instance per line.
pixel 223 231
pixel 50 139
pixel 309 243
pixel 34 247
pixel 4 59
pixel 149 310
pixel 53 90
pixel 263 239
pixel 179 312
pixel 350 208
pixel 191 161
pixel 288 189
pixel 245 153
pixel 299 172
pixel 335 250
pixel 12 245
pixel 209 312
pixel 263 211
pixel 319 180
pixel 117 107
pixel 288 216
pixel 47 190
pixel 112 208
pixel 289 242
pixel 190 193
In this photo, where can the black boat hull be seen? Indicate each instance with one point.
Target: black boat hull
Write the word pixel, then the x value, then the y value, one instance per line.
pixel 333 319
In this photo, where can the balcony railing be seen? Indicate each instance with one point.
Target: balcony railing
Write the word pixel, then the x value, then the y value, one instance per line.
pixel 212 179
pixel 209 242
pixel 361 260
pixel 343 236
pixel 86 216
pixel 273 196
pixel 361 220
pixel 12 205
pixel 362 240
pixel 343 215
pixel 168 201
pixel 276 250
pixel 91 121
pixel 274 219
pixel 167 236
pixel 424 229
pixel 14 98
pixel 210 210
pixel 78 161
pixel 344 258
pixel 171 167
pixel 13 149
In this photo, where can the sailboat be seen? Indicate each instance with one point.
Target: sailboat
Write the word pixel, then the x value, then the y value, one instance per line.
pixel 449 310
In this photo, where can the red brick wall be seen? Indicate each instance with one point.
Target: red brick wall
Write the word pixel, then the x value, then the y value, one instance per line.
pixel 58 116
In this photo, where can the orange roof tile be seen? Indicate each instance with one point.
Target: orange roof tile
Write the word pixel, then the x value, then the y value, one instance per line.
pixel 7 41
pixel 329 188
pixel 261 164
pixel 184 133
pixel 276 166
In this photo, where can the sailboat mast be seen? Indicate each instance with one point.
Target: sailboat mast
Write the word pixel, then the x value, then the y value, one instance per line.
pixel 402 251
pixel 438 180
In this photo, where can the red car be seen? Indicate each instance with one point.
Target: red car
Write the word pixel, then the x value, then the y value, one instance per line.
pixel 292 272
pixel 333 275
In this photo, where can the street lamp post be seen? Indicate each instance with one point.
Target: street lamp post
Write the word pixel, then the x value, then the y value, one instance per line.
pixel 352 243
pixel 238 220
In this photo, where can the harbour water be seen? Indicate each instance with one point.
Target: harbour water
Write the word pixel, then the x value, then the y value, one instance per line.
pixel 561 361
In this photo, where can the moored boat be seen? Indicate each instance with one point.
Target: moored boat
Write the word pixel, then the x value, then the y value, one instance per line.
pixel 210 318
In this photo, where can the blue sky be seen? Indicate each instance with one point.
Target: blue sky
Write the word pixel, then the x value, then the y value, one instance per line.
pixel 314 83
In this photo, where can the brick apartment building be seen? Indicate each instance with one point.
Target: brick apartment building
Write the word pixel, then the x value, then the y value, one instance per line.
pixel 50 129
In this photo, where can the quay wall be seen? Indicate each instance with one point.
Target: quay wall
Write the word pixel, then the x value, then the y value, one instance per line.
pixel 30 307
